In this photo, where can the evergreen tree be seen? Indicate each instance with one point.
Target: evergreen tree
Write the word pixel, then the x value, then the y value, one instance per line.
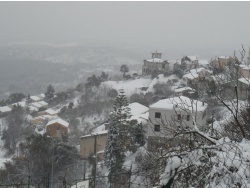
pixel 16 128
pixel 124 69
pixel 103 77
pixel 28 99
pixel 49 94
pixel 117 134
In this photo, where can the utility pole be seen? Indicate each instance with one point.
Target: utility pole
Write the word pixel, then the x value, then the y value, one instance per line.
pixel 48 180
pixel 52 167
pixel 84 171
pixel 130 173
pixel 212 123
pixel 95 144
pixel 29 181
pixel 110 174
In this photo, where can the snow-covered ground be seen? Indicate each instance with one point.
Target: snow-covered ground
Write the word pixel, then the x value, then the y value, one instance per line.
pixel 2 154
pixel 134 86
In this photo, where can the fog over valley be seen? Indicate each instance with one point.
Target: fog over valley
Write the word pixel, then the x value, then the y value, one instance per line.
pixel 64 42
pixel 126 94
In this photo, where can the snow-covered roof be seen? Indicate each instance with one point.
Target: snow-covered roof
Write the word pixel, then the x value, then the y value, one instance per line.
pixel 144 116
pixel 42 95
pixel 179 103
pixel 5 109
pixel 137 108
pixel 197 70
pixel 203 62
pixel 191 76
pixel 245 81
pixel 38 117
pixel 43 103
pixel 97 133
pixel 245 67
pixel 184 89
pixel 44 117
pixel 50 111
pixel 224 57
pixel 156 60
pixel 141 118
pixel 35 98
pixel 36 104
pixel 33 108
pixel 22 104
pixel 58 120
pixel 99 129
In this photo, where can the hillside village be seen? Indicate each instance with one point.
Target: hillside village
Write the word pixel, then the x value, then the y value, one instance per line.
pixel 161 119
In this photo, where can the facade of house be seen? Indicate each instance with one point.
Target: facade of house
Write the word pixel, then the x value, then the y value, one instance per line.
pixel 167 115
pixel 88 143
pixel 189 62
pixel 56 128
pixel 243 88
pixel 242 70
pixel 221 62
pixel 156 63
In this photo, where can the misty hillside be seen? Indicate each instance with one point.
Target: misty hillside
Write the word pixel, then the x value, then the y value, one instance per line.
pixel 31 67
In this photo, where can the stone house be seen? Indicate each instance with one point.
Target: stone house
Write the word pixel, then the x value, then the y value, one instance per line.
pixel 241 71
pixel 155 63
pixel 221 62
pixel 243 88
pixel 89 143
pixel 189 62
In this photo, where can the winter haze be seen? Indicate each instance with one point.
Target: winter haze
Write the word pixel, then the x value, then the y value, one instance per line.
pixel 81 37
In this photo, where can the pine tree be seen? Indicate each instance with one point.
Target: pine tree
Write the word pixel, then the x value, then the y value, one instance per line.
pixel 117 134
pixel 28 99
pixel 49 94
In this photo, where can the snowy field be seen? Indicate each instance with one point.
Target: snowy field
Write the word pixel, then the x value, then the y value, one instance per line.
pixel 134 86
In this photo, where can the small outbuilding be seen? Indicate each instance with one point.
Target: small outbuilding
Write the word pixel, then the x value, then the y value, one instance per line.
pixel 57 128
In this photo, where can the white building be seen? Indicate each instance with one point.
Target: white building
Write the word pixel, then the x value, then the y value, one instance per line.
pixel 168 115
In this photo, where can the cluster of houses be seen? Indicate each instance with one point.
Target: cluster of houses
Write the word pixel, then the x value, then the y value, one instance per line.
pixel 194 70
pixel 183 111
pixel 34 103
pixel 46 120
pixel 156 119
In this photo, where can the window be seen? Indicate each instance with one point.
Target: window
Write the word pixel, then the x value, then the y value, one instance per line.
pixel 179 116
pixel 157 115
pixel 188 117
pixel 157 128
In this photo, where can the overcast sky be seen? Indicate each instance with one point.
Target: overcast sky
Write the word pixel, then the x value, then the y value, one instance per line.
pixel 197 28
